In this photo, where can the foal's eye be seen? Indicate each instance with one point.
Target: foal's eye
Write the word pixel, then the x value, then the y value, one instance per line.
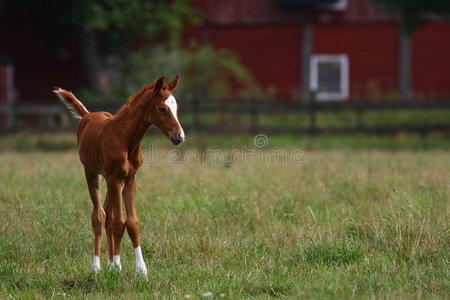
pixel 162 109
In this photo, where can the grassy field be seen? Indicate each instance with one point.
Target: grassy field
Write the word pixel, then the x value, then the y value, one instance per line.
pixel 342 223
pixel 67 141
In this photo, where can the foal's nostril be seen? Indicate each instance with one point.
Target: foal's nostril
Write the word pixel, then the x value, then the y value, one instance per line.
pixel 177 138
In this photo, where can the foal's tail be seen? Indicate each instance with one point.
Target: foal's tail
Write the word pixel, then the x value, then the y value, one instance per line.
pixel 73 104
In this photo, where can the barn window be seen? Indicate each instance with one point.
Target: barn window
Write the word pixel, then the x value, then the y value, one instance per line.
pixel 321 4
pixel 330 77
pixel 340 5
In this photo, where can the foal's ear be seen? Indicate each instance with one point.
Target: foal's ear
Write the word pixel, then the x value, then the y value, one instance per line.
pixel 158 85
pixel 174 83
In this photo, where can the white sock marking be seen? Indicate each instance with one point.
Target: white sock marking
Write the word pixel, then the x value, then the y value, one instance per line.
pixel 96 264
pixel 116 263
pixel 140 264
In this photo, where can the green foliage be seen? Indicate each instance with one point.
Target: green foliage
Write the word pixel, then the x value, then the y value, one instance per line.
pixel 205 72
pixel 416 12
pixel 112 25
pixel 119 22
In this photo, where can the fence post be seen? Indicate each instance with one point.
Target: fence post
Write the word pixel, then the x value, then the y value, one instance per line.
pixel 254 116
pixel 312 114
pixel 12 116
pixel 51 122
pixel 359 119
pixel 195 114
pixel 65 120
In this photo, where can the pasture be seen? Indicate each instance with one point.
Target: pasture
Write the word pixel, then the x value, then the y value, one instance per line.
pixel 342 223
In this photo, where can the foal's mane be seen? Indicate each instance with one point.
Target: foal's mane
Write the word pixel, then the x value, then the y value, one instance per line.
pixel 134 98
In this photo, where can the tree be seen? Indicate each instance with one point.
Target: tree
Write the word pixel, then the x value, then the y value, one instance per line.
pixel 207 72
pixel 105 27
pixel 413 14
pixel 416 12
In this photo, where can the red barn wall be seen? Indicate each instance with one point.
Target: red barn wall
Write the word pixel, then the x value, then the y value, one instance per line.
pixel 431 60
pixel 372 50
pixel 40 63
pixel 271 53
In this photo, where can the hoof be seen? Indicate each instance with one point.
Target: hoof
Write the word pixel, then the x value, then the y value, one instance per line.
pixel 142 269
pixel 96 264
pixel 140 264
pixel 115 264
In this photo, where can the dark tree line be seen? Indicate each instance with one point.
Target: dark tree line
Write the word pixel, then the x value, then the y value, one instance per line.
pixel 104 27
pixel 416 12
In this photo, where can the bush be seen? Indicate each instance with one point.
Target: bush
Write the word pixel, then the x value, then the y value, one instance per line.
pixel 205 72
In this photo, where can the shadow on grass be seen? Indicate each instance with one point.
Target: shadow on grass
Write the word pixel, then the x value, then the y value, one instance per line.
pixel 268 289
pixel 107 281
pixel 332 254
pixel 329 254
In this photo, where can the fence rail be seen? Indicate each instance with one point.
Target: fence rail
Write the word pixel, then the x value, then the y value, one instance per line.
pixel 252 116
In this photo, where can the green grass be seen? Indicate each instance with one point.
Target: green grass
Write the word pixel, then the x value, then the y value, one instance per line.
pixel 345 224
pixel 325 119
pixel 64 142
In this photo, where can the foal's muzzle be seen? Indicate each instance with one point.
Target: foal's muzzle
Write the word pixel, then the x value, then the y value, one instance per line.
pixel 177 138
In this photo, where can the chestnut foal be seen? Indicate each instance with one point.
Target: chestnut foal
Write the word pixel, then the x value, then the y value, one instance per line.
pixel 110 146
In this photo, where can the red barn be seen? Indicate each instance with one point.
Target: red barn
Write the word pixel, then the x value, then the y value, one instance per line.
pixel 342 49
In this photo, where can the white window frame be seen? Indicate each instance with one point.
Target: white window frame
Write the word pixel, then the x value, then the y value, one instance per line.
pixel 342 59
pixel 340 5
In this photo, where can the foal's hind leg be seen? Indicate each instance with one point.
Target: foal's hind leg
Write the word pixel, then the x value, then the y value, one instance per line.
pixel 129 195
pixel 98 214
pixel 115 222
pixel 109 231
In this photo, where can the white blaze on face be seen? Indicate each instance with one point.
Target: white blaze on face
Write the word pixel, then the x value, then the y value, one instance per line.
pixel 171 102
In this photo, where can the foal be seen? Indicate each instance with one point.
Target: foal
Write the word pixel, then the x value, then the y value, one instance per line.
pixel 110 146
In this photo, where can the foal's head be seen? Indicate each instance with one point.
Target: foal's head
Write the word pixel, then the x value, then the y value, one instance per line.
pixel 164 108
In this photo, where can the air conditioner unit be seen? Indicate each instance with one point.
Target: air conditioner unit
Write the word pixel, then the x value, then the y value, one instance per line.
pixel 320 4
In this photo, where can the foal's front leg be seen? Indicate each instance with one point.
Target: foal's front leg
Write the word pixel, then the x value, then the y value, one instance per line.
pixel 129 195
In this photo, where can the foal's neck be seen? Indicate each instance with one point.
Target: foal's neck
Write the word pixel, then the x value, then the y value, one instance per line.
pixel 135 125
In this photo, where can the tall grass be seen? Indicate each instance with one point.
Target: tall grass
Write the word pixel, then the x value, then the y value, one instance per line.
pixel 362 224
